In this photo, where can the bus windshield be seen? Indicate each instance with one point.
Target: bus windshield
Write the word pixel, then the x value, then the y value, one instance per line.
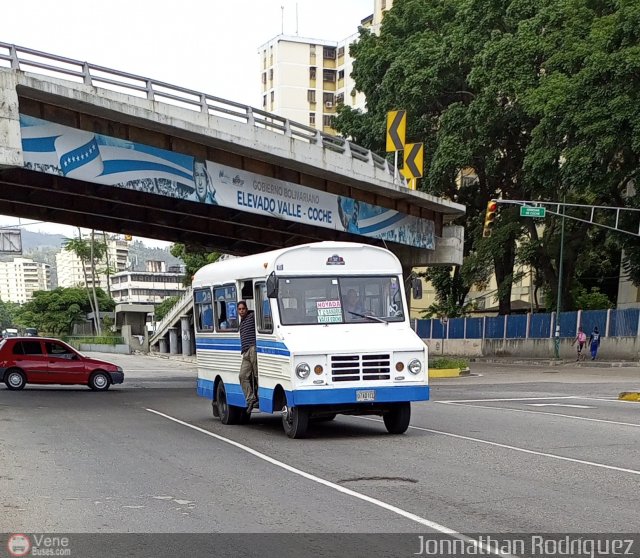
pixel 340 299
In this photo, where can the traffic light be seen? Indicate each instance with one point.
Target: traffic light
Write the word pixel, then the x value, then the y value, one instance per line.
pixel 489 218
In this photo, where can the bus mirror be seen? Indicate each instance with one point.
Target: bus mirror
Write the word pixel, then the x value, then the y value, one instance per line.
pixel 416 287
pixel 272 286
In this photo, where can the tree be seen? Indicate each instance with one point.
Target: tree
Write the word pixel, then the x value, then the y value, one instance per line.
pixel 539 99
pixel 91 253
pixel 55 312
pixel 193 258
pixel 162 309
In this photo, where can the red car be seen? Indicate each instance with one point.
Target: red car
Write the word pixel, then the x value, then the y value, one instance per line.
pixel 40 360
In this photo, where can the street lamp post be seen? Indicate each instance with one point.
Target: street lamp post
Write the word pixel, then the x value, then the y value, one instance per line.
pixel 556 345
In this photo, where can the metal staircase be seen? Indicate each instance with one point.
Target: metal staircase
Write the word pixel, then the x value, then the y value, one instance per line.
pixel 182 307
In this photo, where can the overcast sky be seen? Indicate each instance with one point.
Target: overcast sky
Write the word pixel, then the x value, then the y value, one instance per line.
pixel 210 46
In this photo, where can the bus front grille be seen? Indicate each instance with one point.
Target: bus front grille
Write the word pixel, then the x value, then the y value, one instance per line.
pixel 355 368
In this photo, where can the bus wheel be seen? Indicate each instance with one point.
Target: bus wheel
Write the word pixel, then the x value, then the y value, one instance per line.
pixel 295 421
pixel 397 418
pixel 228 413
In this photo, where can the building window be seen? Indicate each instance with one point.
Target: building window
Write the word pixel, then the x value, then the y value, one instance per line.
pixel 271 74
pixel 340 99
pixel 340 51
pixel 340 74
pixel 328 100
pixel 312 50
pixel 383 5
pixel 329 76
pixel 273 96
pixel 329 53
pixel 312 72
pixel 311 95
pixel 327 120
pixel 312 119
pixel 264 101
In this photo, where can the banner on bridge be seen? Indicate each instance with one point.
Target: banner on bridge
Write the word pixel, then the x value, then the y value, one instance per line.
pixel 64 151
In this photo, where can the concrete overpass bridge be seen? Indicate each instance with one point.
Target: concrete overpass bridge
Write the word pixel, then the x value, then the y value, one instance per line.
pixel 98 148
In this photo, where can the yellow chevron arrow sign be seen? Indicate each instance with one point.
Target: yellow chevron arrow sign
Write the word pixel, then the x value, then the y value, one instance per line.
pixel 396 129
pixel 413 160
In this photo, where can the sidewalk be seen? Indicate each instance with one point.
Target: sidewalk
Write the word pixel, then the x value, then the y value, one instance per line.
pixel 557 362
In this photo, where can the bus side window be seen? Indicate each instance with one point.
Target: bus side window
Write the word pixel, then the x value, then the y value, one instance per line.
pixel 203 310
pixel 264 318
pixel 226 316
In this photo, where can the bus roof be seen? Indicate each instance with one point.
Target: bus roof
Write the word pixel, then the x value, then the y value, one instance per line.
pixel 318 258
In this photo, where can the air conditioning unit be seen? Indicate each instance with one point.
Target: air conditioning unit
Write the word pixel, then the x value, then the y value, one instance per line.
pixel 328 104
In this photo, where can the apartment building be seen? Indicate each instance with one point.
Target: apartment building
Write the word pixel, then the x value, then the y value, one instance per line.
pixel 21 277
pixel 305 79
pixel 71 271
pixel 151 286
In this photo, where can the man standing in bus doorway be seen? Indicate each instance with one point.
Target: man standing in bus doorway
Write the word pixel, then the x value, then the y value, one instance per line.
pixel 249 366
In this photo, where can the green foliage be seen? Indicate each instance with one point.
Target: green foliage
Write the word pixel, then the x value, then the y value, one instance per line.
pixel 76 341
pixel 193 258
pixel 540 99
pixel 55 312
pixel 164 307
pixel 442 363
pixel 593 300
pixel 8 315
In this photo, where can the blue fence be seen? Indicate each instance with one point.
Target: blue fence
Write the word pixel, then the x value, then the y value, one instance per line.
pixel 612 323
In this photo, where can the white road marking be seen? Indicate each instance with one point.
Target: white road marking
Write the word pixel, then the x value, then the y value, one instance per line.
pixel 515 448
pixel 605 421
pixel 560 405
pixel 508 399
pixel 389 507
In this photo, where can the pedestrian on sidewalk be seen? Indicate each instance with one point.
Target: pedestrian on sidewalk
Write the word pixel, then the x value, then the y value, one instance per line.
pixel 594 342
pixel 580 340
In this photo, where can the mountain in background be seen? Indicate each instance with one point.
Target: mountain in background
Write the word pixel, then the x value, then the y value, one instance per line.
pixel 42 247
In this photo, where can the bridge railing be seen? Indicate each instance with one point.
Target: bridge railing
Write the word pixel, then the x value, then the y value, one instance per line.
pixel 26 59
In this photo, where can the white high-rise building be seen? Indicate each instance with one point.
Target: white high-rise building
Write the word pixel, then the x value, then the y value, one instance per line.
pixel 70 267
pixel 21 277
pixel 305 80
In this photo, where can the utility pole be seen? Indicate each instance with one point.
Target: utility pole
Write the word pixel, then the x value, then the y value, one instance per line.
pixel 556 341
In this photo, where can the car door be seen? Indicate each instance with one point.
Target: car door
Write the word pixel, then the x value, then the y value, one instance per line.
pixel 30 358
pixel 65 365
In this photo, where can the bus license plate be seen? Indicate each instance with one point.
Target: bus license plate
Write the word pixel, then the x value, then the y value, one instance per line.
pixel 365 395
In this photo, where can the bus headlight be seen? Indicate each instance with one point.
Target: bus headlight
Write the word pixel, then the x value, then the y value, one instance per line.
pixel 303 370
pixel 415 366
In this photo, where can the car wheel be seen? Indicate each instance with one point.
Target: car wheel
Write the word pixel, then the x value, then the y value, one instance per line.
pixel 228 413
pixel 99 381
pixel 397 418
pixel 15 380
pixel 295 421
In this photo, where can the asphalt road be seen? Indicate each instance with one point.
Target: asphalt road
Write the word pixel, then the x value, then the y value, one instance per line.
pixel 512 449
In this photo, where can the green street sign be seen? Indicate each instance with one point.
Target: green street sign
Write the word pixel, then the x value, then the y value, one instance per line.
pixel 528 211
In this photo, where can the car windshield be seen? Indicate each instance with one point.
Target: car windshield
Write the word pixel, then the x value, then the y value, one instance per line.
pixel 338 300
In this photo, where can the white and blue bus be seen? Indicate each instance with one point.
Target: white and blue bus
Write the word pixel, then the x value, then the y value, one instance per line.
pixel 333 335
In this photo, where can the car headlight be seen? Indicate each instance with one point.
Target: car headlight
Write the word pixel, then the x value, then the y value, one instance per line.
pixel 415 366
pixel 303 370
pixel 119 369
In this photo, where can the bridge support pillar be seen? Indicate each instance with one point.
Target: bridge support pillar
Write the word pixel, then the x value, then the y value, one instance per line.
pixel 163 345
pixel 173 340
pixel 186 336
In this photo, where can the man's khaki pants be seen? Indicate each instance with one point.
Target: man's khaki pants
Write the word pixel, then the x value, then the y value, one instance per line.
pixel 249 375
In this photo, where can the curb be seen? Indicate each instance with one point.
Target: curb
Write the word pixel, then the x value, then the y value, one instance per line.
pixel 447 372
pixel 629 396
